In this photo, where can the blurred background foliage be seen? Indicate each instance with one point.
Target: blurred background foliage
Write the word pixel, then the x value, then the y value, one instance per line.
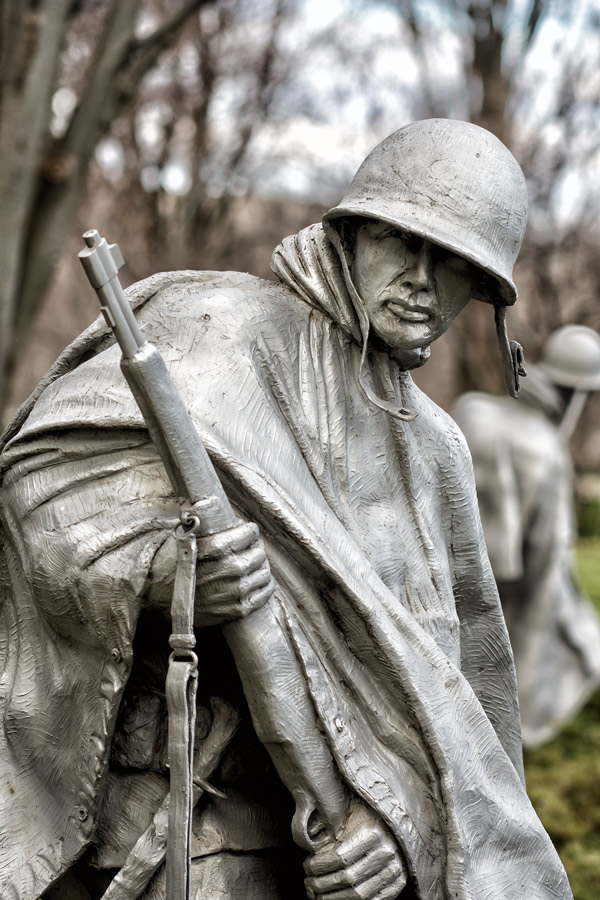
pixel 563 777
pixel 198 133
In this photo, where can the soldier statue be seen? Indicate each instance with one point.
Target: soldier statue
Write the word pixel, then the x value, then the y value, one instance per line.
pixel 356 722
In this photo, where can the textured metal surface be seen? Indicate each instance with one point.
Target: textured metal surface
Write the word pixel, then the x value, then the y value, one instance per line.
pixel 376 525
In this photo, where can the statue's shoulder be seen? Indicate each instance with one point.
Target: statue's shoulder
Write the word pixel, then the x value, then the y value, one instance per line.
pixel 195 315
pixel 190 283
pixel 442 438
pixel 199 320
pixel 234 303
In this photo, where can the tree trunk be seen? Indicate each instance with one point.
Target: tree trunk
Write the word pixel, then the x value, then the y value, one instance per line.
pixel 32 37
pixel 43 179
pixel 478 358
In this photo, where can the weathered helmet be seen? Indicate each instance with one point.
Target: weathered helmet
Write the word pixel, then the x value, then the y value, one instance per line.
pixel 452 183
pixel 571 358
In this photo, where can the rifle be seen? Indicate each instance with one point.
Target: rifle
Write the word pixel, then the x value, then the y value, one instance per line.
pixel 258 643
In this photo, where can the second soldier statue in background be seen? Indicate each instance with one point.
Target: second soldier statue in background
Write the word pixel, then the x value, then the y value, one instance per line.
pixel 524 478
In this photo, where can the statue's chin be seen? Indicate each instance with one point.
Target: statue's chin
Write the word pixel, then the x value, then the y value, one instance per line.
pixel 412 358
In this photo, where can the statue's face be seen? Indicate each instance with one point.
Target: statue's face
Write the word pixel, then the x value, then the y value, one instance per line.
pixel 412 289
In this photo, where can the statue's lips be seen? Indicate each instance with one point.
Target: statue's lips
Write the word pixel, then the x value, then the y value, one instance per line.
pixel 409 313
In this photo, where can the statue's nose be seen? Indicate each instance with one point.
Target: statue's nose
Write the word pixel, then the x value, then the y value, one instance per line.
pixel 419 275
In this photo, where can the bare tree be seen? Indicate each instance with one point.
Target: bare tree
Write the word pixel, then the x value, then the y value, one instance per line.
pixel 153 94
pixel 234 45
pixel 43 175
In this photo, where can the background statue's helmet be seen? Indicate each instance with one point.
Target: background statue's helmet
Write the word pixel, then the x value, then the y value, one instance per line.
pixel 571 358
pixel 452 183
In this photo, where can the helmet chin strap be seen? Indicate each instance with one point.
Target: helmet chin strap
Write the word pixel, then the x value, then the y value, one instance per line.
pixel 513 359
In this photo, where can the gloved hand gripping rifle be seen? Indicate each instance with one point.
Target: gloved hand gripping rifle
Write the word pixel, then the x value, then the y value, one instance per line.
pixel 257 642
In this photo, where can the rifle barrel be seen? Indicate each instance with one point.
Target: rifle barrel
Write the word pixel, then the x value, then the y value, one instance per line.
pixel 167 419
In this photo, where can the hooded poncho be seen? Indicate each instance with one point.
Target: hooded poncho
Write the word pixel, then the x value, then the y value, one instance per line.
pixel 374 540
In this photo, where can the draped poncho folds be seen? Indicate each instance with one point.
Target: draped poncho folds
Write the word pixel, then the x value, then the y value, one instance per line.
pixel 374 540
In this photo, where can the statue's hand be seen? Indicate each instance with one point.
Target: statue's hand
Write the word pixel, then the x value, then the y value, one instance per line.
pixel 233 577
pixel 364 864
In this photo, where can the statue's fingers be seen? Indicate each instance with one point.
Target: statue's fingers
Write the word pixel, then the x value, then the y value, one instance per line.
pixel 344 853
pixel 389 880
pixel 222 593
pixel 231 586
pixel 390 892
pixel 251 560
pixel 255 581
pixel 232 566
pixel 374 861
pixel 258 598
pixel 228 607
pixel 232 540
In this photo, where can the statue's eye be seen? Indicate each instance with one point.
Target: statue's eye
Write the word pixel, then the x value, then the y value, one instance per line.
pixel 457 263
pixel 412 242
pixel 397 233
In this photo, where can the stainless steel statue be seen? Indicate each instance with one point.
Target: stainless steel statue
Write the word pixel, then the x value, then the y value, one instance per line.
pixel 524 477
pixel 373 718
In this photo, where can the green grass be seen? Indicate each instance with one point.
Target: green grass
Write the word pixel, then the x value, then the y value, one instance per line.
pixel 588 566
pixel 563 777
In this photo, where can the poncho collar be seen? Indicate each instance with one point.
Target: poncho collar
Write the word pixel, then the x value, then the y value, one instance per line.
pixel 315 265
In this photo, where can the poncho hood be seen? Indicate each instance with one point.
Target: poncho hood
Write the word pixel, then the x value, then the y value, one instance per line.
pixel 309 265
pixel 316 265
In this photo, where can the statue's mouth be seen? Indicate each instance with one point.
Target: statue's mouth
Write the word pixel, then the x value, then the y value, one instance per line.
pixel 409 313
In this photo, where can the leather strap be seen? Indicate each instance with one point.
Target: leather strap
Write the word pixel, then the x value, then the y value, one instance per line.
pixel 181 685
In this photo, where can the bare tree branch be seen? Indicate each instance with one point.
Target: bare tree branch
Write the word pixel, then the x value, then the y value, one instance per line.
pixel 535 13
pixel 25 115
pixel 108 90
pixel 163 36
